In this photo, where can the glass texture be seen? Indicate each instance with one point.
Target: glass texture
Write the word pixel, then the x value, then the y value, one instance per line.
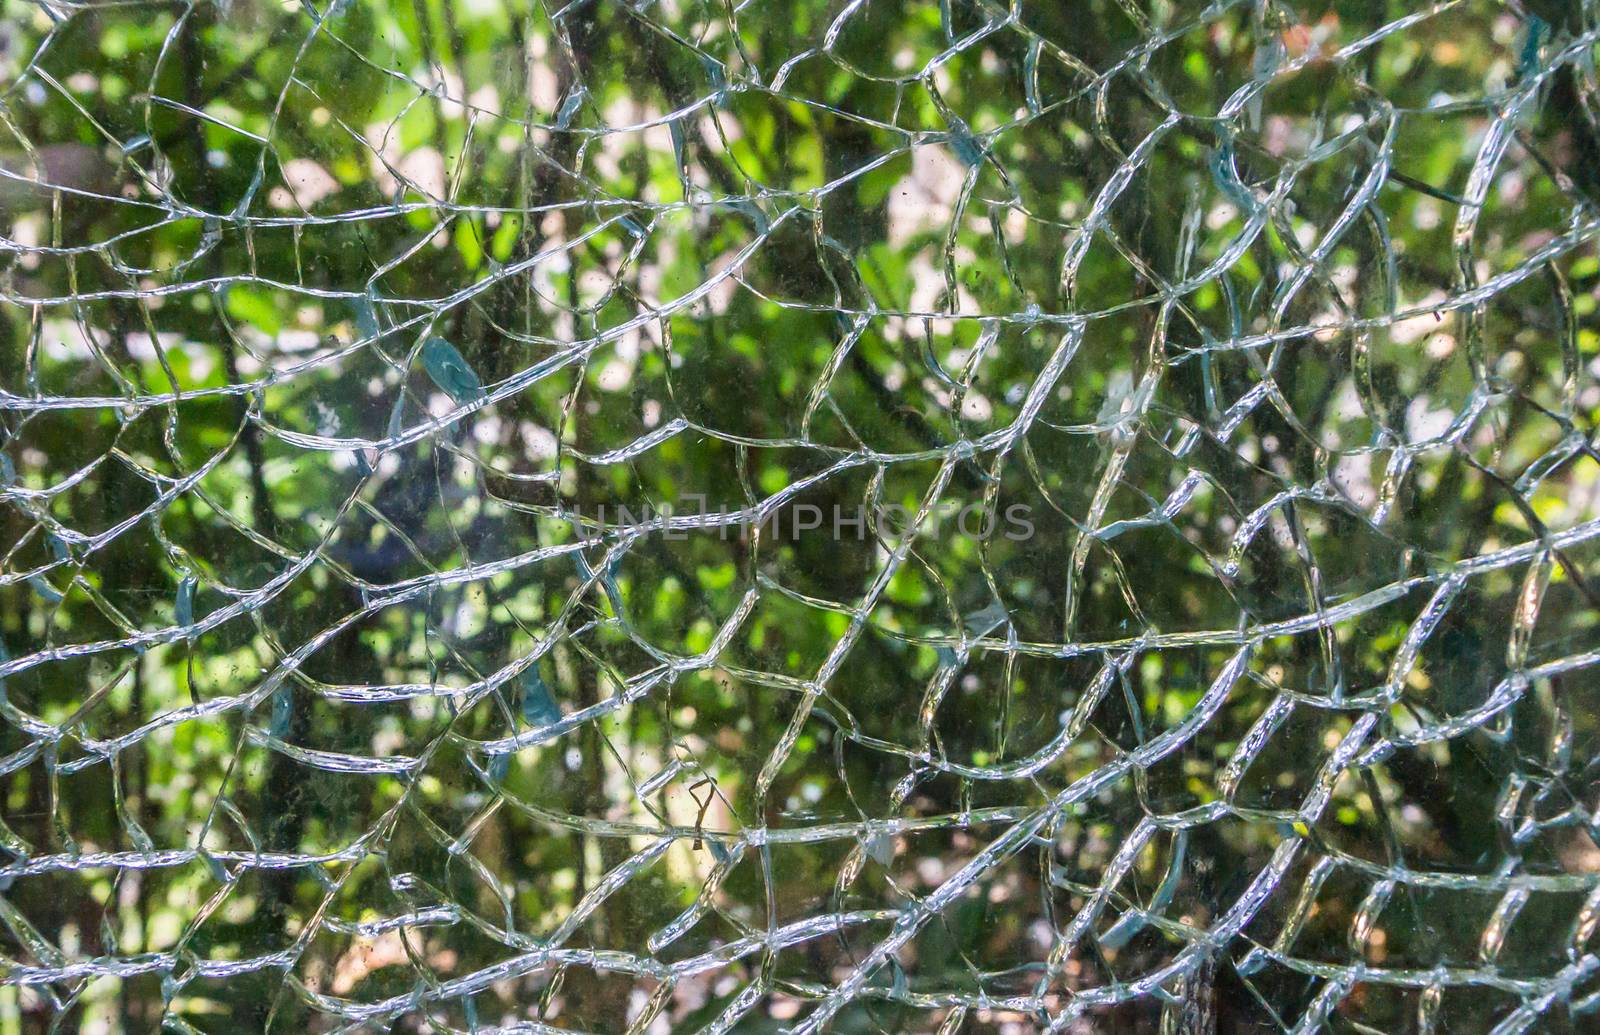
pixel 867 516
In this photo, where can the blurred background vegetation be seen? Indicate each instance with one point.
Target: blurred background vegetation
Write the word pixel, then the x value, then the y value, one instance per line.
pixel 332 333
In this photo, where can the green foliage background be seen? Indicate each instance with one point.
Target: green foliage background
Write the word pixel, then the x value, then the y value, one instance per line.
pixel 268 591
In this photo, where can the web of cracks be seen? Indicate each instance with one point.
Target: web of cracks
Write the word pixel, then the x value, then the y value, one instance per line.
pixel 407 338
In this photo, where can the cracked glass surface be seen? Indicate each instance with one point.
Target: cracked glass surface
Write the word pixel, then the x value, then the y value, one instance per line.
pixel 709 516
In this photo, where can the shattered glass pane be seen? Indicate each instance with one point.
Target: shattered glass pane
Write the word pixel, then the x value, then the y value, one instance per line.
pixel 703 515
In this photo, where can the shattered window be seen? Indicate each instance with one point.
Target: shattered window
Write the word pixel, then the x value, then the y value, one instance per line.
pixel 723 516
